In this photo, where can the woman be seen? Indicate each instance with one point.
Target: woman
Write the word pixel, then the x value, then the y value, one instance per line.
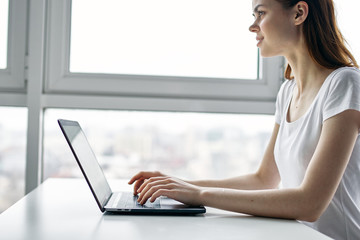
pixel 315 145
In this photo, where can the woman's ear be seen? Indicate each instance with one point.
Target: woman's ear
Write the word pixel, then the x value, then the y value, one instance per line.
pixel 301 10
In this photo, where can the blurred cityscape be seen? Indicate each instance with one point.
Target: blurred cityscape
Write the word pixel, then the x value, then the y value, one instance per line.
pixel 186 145
pixel 13 127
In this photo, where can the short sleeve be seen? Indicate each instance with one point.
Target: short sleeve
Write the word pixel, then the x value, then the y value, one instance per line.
pixel 344 93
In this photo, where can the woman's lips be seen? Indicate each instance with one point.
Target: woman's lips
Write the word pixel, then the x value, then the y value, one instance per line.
pixel 259 40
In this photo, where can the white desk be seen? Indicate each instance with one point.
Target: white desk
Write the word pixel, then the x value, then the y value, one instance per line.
pixel 65 209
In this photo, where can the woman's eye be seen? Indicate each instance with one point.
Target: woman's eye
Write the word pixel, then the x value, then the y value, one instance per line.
pixel 258 14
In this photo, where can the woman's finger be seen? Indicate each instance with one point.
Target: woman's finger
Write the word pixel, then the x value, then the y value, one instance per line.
pixel 144 175
pixel 137 176
pixel 161 192
pixel 137 185
pixel 149 181
pixel 149 187
pixel 143 198
pixel 146 188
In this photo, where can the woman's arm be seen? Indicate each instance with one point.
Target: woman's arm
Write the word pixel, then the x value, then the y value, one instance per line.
pixel 306 202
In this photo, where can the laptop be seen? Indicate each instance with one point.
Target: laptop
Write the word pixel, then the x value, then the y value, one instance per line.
pixel 114 202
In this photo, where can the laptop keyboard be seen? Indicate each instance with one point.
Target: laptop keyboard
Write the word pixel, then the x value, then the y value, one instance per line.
pixel 127 200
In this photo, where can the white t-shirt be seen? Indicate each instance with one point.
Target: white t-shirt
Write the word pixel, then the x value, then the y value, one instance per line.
pixel 296 143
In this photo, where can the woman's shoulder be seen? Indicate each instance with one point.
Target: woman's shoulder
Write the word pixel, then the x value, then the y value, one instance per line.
pixel 346 74
pixel 345 78
pixel 347 70
pixel 342 92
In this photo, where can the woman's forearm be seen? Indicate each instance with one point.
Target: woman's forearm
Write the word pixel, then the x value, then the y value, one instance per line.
pixel 284 203
pixel 245 182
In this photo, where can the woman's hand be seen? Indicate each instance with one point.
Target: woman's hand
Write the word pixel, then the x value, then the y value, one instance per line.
pixel 141 177
pixel 170 187
pixel 151 185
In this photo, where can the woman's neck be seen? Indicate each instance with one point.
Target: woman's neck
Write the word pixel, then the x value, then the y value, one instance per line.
pixel 307 73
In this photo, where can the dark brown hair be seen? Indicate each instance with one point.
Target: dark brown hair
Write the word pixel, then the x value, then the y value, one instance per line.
pixel 324 40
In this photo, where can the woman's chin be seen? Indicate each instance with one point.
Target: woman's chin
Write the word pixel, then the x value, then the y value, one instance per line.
pixel 265 54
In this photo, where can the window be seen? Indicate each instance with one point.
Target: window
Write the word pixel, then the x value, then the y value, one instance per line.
pixel 58 80
pixel 202 38
pixel 68 73
pixel 12 155
pixel 12 45
pixel 346 20
pixel 166 49
pixel 191 145
pixel 4 9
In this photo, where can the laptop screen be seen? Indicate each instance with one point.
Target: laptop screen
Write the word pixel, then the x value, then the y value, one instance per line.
pixel 86 160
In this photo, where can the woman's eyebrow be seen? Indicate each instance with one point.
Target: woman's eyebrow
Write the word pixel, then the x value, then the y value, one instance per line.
pixel 257 7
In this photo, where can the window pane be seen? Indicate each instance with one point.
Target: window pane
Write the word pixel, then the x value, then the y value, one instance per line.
pixel 4 9
pixel 197 38
pixel 189 145
pixel 13 127
pixel 347 19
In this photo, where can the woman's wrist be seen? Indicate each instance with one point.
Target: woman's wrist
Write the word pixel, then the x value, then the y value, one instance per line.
pixel 207 193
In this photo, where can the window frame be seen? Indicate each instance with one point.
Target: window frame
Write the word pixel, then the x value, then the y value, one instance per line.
pixel 39 79
pixel 36 78
pixel 12 79
pixel 59 80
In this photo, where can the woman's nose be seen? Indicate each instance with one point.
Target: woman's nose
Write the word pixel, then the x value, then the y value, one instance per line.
pixel 254 27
